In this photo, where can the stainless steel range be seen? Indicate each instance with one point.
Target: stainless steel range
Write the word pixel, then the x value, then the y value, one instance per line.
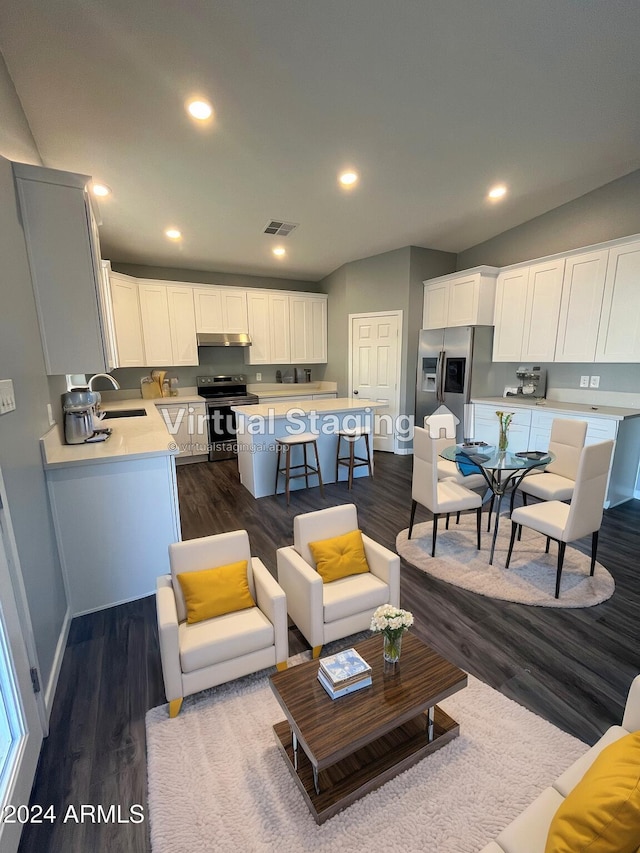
pixel 222 392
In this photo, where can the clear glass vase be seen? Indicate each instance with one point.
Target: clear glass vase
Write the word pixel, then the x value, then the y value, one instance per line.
pixel 503 440
pixel 392 647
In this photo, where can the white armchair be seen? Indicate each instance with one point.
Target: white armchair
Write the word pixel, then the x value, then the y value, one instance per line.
pixel 328 611
pixel 204 654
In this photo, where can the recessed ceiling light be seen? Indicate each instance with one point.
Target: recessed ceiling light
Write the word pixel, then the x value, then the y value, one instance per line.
pixel 199 109
pixel 173 233
pixel 279 252
pixel 497 192
pixel 349 178
pixel 100 190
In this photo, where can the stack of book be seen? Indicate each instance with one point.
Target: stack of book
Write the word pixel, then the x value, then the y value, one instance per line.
pixel 343 673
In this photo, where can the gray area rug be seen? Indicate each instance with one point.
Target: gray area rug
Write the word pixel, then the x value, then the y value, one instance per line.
pixel 530 578
pixel 217 781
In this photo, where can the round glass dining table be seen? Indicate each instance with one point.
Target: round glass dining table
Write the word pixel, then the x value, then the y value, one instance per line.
pixel 502 469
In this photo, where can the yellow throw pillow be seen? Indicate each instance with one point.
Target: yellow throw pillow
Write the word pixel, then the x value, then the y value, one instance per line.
pixel 339 557
pixel 214 592
pixel 602 813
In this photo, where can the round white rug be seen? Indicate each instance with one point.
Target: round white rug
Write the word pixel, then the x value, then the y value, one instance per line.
pixel 530 578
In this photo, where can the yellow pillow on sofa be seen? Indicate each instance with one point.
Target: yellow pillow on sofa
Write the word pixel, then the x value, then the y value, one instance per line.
pixel 602 813
pixel 340 556
pixel 214 592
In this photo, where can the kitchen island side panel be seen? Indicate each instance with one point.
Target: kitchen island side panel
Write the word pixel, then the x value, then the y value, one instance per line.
pixel 114 523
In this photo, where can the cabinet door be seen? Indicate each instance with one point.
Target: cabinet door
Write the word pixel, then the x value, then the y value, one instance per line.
pixel 511 304
pixel 316 331
pixel 582 291
pixel 280 326
pixel 126 320
pixel 234 311
pixel 106 311
pixel 619 332
pixel 177 421
pixel 259 328
pixel 208 309
pixel 299 311
pixel 156 328
pixel 435 313
pixel 183 325
pixel 463 300
pixel 544 291
pixel 56 218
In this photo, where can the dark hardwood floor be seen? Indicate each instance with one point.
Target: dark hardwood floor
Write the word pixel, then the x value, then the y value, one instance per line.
pixel 573 667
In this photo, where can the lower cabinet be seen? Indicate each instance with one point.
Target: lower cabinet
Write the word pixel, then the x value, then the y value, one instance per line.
pixel 187 425
pixel 531 430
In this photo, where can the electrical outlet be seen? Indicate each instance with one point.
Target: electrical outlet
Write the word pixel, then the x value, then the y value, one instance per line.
pixel 595 382
pixel 584 381
pixel 258 377
pixel 7 396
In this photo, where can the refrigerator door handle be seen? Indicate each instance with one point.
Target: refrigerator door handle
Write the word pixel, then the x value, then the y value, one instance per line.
pixel 440 378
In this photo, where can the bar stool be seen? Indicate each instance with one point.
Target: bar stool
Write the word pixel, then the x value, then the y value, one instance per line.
pixel 352 461
pixel 286 444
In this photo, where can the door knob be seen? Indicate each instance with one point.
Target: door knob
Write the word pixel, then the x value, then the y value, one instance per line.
pixel 356 393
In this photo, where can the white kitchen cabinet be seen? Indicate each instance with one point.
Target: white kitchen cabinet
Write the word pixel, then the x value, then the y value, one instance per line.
pixel 61 241
pixel 510 308
pixel 582 292
pixel 308 332
pixel 106 312
pixel 487 426
pixel 619 331
pixel 544 291
pixel 182 325
pixel 127 322
pixel 460 299
pixel 168 324
pixel 526 312
pixel 221 309
pixel 187 426
pixel 269 328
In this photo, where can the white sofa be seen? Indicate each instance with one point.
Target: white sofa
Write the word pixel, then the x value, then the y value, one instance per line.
pixel 528 832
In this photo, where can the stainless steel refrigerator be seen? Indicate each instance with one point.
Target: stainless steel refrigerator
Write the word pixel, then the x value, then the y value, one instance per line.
pixel 453 365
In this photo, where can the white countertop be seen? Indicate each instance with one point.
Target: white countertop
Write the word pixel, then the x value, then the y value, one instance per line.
pixel 132 438
pixel 292 389
pixel 615 412
pixel 281 410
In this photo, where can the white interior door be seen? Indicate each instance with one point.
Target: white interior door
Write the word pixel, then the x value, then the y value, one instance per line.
pixel 375 370
pixel 20 726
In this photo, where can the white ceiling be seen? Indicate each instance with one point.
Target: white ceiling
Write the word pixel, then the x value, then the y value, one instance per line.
pixel 433 101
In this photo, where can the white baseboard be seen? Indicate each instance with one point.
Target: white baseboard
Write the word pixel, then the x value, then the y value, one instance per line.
pixel 61 645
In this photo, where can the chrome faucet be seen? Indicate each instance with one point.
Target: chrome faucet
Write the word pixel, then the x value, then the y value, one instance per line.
pixel 108 376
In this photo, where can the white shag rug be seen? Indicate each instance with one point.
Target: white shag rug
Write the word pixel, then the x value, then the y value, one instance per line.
pixel 218 782
pixel 530 578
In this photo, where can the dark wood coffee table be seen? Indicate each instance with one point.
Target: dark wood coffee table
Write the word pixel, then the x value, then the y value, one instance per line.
pixel 340 749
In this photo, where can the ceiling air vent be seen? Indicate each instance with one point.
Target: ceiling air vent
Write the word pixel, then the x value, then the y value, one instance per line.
pixel 279 228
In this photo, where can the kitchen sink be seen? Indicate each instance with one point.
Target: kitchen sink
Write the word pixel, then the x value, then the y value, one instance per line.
pixel 125 413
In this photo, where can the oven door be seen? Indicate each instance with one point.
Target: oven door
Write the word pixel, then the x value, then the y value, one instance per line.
pixel 222 432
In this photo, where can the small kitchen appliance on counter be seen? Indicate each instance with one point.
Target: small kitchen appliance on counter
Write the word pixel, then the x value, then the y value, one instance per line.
pixel 79 411
pixel 533 380
pixel 222 392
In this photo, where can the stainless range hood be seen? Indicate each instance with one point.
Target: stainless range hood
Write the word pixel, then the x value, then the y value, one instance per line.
pixel 223 339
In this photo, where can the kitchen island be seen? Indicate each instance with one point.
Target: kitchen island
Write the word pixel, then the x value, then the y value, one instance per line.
pixel 259 426
pixel 115 507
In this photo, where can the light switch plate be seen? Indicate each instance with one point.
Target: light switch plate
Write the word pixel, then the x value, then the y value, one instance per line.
pixel 595 382
pixel 7 396
pixel 584 381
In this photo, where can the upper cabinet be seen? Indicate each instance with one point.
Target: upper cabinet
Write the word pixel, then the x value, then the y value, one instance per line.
pixel 308 320
pixel 221 309
pixel 511 304
pixel 64 259
pixel 168 324
pixel 460 299
pixel 619 331
pixel 582 291
pixel 127 321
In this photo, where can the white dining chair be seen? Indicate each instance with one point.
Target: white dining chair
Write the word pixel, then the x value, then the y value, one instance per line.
pixel 567 522
pixel 557 481
pixel 439 496
pixel 442 427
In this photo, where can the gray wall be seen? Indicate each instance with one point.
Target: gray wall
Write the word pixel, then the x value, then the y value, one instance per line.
pixel 607 213
pixel 21 359
pixel 388 282
pixel 16 140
